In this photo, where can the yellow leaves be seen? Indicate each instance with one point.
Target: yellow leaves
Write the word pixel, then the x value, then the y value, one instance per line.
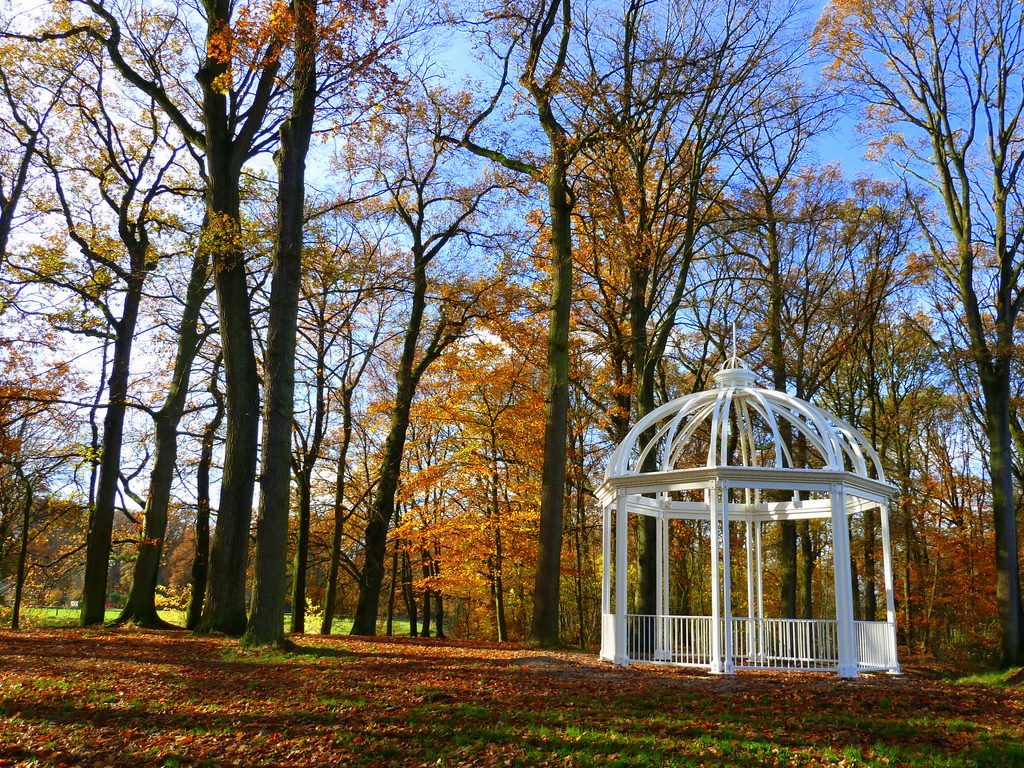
pixel 255 40
pixel 222 239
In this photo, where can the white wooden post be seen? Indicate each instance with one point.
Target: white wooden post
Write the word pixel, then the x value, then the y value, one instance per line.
pixel 749 547
pixel 890 600
pixel 621 538
pixel 660 580
pixel 727 666
pixel 844 587
pixel 607 633
pixel 760 591
pixel 711 498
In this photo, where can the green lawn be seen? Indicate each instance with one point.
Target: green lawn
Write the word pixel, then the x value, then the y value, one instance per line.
pixel 68 617
pixel 126 697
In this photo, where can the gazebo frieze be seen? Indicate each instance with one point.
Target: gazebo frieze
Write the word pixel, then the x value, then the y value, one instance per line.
pixel 806 509
pixel 763 478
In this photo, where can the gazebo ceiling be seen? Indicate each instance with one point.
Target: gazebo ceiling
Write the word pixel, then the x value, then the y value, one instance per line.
pixel 741 425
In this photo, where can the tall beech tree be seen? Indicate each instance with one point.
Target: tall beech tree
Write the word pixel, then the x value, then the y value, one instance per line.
pixel 435 210
pixel 109 182
pixel 944 85
pixel 535 36
pixel 682 87
pixel 225 115
pixel 140 605
pixel 343 42
pixel 266 619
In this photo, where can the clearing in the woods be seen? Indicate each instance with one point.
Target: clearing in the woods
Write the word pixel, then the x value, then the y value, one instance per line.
pixel 135 698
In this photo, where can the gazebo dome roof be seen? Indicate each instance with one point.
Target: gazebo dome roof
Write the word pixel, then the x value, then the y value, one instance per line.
pixel 740 424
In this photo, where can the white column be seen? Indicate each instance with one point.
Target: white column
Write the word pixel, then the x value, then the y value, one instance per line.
pixel 621 539
pixel 660 580
pixel 760 590
pixel 890 600
pixel 844 587
pixel 751 609
pixel 607 633
pixel 666 583
pixel 727 667
pixel 711 498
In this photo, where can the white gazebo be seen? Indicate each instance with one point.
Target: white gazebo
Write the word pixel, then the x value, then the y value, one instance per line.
pixel 726 456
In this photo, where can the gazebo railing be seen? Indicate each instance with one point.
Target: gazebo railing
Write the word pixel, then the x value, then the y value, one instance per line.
pixel 682 640
pixel 804 644
pixel 810 644
pixel 876 645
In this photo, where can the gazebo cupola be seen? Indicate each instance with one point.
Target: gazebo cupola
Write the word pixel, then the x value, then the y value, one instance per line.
pixel 741 455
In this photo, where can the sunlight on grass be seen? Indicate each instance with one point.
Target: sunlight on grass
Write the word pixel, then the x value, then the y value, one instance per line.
pixel 69 617
pixel 998 678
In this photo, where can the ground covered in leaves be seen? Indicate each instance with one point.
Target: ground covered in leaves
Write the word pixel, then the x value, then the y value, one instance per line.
pixel 134 698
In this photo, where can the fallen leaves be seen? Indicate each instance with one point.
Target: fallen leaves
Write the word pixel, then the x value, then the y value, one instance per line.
pixel 136 698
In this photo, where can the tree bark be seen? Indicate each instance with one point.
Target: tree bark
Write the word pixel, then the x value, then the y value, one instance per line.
pixel 201 558
pixel 547 585
pixel 140 607
pixel 21 570
pixel 101 515
pixel 266 620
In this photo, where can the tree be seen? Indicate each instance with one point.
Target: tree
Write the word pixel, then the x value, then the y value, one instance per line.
pixel 140 606
pixel 950 77
pixel 265 626
pixel 334 42
pixel 23 116
pixel 435 210
pixel 682 87
pixel 540 31
pixel 110 182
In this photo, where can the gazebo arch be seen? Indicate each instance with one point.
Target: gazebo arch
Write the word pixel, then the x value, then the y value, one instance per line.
pixel 717 456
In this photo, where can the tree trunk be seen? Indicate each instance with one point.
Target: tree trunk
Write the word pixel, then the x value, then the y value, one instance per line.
pixel 408 595
pixel 497 562
pixel 425 629
pixel 547 585
pixel 224 606
pixel 807 564
pixel 439 617
pixel 140 607
pixel 383 508
pixel 101 515
pixel 21 570
pixel 1008 593
pixel 788 536
pixel 307 463
pixel 389 630
pixel 266 621
pixel 300 562
pixel 330 599
pixel 201 559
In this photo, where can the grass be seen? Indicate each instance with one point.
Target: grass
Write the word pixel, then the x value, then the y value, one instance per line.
pixel 68 617
pixel 997 678
pixel 131 697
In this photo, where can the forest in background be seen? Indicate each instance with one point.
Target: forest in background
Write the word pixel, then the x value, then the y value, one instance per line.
pixel 320 309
